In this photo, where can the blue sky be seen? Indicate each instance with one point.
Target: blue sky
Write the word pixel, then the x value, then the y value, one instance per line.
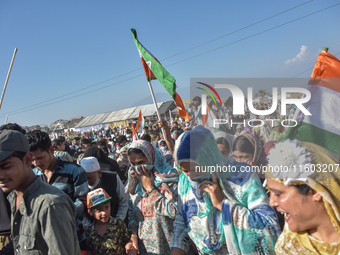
pixel 65 48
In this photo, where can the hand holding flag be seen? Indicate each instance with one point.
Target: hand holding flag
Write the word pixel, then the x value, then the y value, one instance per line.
pixel 154 70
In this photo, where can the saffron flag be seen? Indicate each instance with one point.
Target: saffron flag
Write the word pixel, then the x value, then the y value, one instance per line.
pixel 140 123
pixel 134 133
pixel 154 70
pixel 323 126
pixel 209 119
pixel 68 130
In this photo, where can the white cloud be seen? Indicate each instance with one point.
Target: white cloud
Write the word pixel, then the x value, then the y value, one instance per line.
pixel 299 56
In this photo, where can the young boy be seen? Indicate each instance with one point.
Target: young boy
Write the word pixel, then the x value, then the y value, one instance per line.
pixel 106 235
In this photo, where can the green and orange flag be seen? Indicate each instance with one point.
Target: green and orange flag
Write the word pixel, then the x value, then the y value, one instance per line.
pixel 154 70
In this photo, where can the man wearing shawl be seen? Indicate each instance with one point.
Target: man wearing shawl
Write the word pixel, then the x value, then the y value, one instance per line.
pixel 232 216
pixel 152 209
pixel 309 199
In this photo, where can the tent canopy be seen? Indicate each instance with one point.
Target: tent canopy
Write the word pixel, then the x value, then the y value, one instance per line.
pixel 120 117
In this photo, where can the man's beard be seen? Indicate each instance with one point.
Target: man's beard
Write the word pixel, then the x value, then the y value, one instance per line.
pixel 95 185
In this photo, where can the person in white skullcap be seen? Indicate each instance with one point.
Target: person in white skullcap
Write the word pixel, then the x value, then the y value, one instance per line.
pixel 239 129
pixel 110 182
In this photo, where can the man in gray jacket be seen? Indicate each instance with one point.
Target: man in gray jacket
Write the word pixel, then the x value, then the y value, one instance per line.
pixel 43 217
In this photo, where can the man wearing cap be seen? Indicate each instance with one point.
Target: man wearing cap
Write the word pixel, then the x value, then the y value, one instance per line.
pixel 277 135
pixel 35 205
pixel 5 208
pixel 110 182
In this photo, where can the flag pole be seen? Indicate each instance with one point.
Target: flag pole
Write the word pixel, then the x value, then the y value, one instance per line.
pixel 8 74
pixel 154 101
pixel 170 117
pixel 6 119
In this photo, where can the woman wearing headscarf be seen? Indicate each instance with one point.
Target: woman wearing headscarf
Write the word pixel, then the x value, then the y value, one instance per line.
pixel 222 213
pixel 308 196
pixel 166 152
pixel 224 142
pixel 248 149
pixel 152 185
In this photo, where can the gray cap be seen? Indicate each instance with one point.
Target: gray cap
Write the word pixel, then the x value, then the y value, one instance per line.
pixel 11 141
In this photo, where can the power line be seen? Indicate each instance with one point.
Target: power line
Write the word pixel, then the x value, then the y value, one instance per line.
pixel 96 84
pixel 238 30
pixel 264 31
pixel 76 95
pixel 253 35
pixel 76 91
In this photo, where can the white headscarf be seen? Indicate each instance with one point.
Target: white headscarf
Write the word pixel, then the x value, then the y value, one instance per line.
pixel 230 139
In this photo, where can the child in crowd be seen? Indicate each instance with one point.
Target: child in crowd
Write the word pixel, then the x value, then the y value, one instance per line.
pixel 106 235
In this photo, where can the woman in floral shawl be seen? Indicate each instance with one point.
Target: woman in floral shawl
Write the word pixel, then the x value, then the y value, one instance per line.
pixel 152 185
pixel 223 213
pixel 308 195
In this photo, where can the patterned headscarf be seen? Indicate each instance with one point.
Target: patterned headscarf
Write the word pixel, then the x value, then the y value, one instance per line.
pixel 259 157
pixel 327 184
pixel 146 148
pixel 164 174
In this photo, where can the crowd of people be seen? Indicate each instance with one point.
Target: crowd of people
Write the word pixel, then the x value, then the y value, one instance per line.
pixel 116 192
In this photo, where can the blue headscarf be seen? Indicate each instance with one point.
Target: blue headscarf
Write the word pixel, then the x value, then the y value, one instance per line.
pixel 199 146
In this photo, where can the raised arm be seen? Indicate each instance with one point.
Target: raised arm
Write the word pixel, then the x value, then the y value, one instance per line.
pixel 169 141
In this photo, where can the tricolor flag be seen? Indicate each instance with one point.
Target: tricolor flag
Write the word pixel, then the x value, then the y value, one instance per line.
pixel 209 119
pixel 323 126
pixel 154 70
pixel 140 123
